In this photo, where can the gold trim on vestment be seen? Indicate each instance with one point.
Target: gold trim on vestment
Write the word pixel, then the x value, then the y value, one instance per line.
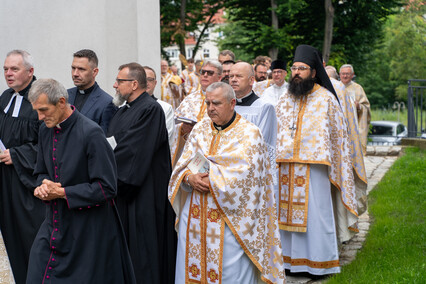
pixel 310 263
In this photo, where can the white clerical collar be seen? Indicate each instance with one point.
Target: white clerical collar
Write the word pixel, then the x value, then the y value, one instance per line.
pixel 240 100
pixel 18 103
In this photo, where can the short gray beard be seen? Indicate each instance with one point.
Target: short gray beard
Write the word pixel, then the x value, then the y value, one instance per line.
pixel 119 100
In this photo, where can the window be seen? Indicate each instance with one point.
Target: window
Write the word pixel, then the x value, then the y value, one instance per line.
pixel 173 53
pixel 189 52
pixel 206 53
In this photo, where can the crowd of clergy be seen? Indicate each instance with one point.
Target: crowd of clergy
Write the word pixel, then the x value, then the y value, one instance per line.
pixel 240 172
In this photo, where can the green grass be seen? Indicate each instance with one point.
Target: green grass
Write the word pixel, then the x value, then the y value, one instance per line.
pixel 394 251
pixel 378 114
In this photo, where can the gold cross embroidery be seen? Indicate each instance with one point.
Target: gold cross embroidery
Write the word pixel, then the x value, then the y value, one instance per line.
pixel 284 195
pixel 213 236
pixel 298 196
pixel 194 231
pixel 249 229
pixel 313 141
pixel 278 258
pixel 256 198
pixel 287 107
pixel 229 197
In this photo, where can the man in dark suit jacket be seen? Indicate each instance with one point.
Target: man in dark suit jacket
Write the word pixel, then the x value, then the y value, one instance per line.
pixel 87 96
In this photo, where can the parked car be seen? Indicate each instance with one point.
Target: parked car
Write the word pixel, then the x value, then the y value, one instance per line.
pixel 386 133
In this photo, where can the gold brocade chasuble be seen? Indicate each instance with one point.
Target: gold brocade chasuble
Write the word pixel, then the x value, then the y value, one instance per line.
pixel 241 195
pixel 194 108
pixel 312 130
pixel 355 145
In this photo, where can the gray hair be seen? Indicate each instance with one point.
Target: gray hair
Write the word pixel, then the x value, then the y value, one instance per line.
pixel 216 64
pixel 333 72
pixel 227 90
pixel 26 57
pixel 347 66
pixel 50 87
pixel 227 52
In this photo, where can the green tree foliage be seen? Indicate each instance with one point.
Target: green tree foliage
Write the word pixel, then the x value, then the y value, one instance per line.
pixel 400 56
pixel 197 17
pixel 357 28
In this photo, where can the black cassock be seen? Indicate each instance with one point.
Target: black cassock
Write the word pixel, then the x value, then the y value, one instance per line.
pixel 144 168
pixel 20 212
pixel 81 240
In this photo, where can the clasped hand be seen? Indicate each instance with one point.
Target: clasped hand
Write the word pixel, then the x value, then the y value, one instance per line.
pixel 49 190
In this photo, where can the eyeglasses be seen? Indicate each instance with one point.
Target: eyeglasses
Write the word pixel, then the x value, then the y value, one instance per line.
pixel 345 74
pixel 208 72
pixel 300 68
pixel 124 80
pixel 149 79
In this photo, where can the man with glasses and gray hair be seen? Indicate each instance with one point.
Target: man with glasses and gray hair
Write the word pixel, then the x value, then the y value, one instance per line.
pixel 21 213
pixel 143 161
pixel 360 100
pixel 193 107
pixel 151 82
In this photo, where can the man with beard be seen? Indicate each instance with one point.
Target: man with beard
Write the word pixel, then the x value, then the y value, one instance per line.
pixel 143 163
pixel 226 69
pixel 317 199
pixel 260 72
pixel 274 92
pixel 87 97
pixel 21 213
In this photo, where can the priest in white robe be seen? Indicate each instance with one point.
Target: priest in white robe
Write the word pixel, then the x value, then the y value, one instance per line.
pixel 227 224
pixel 317 198
pixel 279 72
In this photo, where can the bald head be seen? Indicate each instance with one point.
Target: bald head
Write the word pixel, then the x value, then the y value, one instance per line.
pixel 241 79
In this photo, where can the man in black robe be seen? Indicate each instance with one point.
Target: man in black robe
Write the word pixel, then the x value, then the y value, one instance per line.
pixel 144 168
pixel 81 239
pixel 20 212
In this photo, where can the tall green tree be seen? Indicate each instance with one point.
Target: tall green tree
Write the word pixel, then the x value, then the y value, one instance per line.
pixel 400 56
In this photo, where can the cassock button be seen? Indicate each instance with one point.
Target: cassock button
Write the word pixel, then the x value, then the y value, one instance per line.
pixel 53 239
pixel 56 229
pixel 47 276
pixel 54 203
pixel 56 212
pixel 53 247
pixel 56 140
pixel 55 221
pixel 54 159
pixel 50 267
pixel 53 259
pixel 88 206
pixel 80 208
pixel 54 149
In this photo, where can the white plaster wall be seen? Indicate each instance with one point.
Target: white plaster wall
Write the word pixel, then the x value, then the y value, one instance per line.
pixel 52 30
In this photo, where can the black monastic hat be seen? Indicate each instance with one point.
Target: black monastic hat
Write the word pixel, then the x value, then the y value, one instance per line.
pixel 278 64
pixel 312 57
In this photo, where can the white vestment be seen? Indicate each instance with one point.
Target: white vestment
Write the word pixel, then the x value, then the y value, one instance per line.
pixel 170 119
pixel 273 93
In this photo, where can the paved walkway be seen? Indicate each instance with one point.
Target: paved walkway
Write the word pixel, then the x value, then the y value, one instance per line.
pixel 376 167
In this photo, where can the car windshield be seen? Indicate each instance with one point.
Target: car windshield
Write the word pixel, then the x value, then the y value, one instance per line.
pixel 381 130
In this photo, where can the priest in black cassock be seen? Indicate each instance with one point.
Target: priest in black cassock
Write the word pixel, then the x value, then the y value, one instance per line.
pixel 81 239
pixel 144 168
pixel 20 212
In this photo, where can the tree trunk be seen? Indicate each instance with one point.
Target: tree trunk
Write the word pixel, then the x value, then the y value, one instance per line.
pixel 328 29
pixel 181 41
pixel 200 36
pixel 273 52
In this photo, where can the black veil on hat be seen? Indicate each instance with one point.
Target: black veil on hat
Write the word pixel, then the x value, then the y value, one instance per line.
pixel 311 56
pixel 278 64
